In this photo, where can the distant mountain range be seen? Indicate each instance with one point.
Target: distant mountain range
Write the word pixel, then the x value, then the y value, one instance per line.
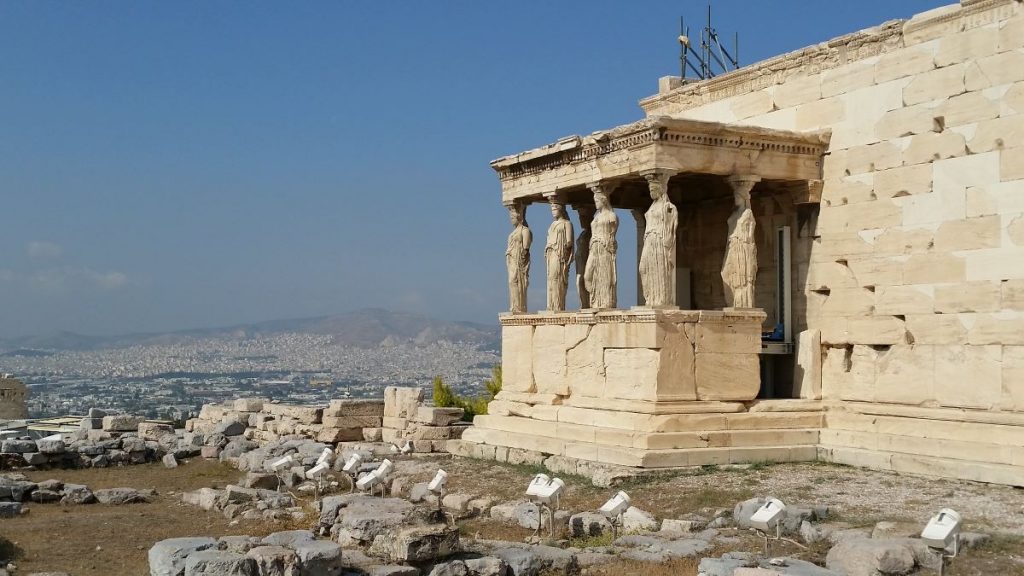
pixel 363 328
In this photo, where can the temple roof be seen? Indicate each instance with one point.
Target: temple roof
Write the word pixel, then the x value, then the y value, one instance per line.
pixel 661 142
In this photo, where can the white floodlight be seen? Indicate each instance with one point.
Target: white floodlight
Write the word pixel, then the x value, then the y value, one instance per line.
pixel 385 468
pixel 767 518
pixel 353 463
pixel 437 484
pixel 769 515
pixel 616 505
pixel 317 471
pixel 552 491
pixel 942 530
pixel 368 481
pixel 942 536
pixel 407 447
pixel 538 482
pixel 326 457
pixel 684 40
pixel 281 464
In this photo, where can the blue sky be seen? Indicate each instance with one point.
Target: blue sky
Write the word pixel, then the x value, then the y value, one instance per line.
pixel 167 165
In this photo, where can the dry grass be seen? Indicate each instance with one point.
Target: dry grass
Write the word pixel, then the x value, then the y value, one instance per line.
pixel 98 540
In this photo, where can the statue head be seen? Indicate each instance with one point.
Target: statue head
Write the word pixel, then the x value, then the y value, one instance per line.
pixel 558 211
pixel 586 214
pixel 517 213
pixel 601 201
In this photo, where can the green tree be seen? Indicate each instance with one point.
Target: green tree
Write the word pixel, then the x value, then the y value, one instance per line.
pixel 445 397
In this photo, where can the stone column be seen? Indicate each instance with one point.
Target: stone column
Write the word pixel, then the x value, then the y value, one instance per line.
pixel 517 257
pixel 739 267
pixel 658 257
pixel 585 212
pixel 641 227
pixel 600 275
pixel 558 253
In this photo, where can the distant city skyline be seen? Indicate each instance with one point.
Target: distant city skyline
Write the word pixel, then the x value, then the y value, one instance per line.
pixel 189 165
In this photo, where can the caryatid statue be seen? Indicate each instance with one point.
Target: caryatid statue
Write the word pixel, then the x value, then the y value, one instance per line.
pixel 739 268
pixel 517 258
pixel 600 275
pixel 586 215
pixel 658 257
pixel 558 255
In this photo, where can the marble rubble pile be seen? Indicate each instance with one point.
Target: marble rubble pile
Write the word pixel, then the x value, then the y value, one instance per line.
pixel 16 489
pixel 247 503
pixel 399 418
pixel 103 440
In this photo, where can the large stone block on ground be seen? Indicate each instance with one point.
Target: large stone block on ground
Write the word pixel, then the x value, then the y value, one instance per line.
pixel 153 430
pixel 355 407
pixel 417 544
pixel 50 446
pixel 122 423
pixel 301 414
pixel 333 435
pixel 18 446
pixel 167 557
pixel 435 416
pixel 402 402
pixel 248 404
pixel 274 560
pixel 871 557
pixel 119 496
pixel 319 557
pixel 352 421
pixel 219 563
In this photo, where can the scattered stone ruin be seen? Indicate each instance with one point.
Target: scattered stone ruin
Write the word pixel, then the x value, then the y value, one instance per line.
pixel 401 416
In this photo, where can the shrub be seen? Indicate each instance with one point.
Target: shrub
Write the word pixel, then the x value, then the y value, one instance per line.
pixel 445 397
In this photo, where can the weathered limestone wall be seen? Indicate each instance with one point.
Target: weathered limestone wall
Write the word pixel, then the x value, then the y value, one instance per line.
pixel 13 396
pixel 916 274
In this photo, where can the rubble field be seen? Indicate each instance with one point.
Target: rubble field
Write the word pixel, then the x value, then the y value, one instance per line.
pixel 485 498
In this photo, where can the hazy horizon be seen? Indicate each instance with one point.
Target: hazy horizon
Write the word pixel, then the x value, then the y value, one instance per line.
pixel 167 166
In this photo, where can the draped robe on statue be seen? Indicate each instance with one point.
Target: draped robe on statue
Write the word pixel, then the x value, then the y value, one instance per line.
pixel 600 274
pixel 739 269
pixel 558 257
pixel 517 260
pixel 658 258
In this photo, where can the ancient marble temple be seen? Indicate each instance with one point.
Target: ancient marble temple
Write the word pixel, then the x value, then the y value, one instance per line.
pixel 829 265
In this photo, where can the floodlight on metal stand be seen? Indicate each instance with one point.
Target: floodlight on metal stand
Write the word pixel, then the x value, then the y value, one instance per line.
pixel 614 509
pixel 279 465
pixel 326 457
pixel 549 496
pixel 382 472
pixel 942 536
pixel 318 473
pixel 533 491
pixel 770 515
pixel 351 469
pixel 436 487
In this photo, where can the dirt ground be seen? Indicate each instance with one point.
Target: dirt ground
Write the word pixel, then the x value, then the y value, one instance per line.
pixel 113 540
pixel 98 540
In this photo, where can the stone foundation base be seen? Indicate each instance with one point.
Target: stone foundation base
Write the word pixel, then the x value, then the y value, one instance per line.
pixel 582 440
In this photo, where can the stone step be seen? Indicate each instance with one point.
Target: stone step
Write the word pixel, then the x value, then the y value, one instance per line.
pixel 922 426
pixel 633 421
pixel 769 436
pixel 627 456
pixel 962 449
pixel 924 465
